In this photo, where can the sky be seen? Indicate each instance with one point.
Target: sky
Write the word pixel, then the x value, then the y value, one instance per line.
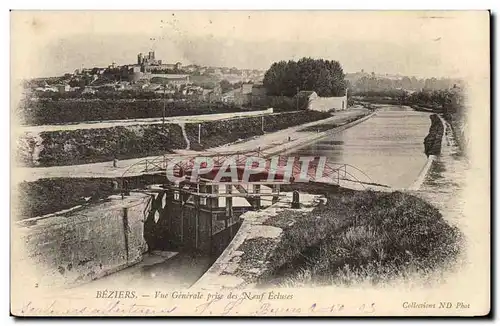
pixel 419 43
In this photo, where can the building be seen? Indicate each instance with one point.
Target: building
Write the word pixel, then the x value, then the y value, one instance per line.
pixel 240 96
pixel 149 60
pixel 122 85
pixel 46 89
pixel 192 91
pixel 323 104
pixel 133 73
pixel 149 63
pixel 162 90
pixel 88 90
pixel 229 97
pixel 259 93
pixel 190 68
pixel 172 80
pixel 177 80
pixel 244 97
pixel 153 88
pixel 215 95
pixel 306 96
pixel 210 95
pixel 62 88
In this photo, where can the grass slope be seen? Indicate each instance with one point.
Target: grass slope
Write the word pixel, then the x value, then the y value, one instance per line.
pixel 360 236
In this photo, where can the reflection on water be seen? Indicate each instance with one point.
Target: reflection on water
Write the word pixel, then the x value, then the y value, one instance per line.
pixel 388 147
pixel 154 272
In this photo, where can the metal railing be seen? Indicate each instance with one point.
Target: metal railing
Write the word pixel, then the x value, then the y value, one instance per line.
pixel 183 164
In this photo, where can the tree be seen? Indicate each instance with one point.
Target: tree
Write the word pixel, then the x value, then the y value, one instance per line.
pixel 324 77
pixel 225 86
pixel 406 82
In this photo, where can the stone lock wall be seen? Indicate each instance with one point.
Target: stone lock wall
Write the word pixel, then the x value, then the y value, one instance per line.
pixel 80 246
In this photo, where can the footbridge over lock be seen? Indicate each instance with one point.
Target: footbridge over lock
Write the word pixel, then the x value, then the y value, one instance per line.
pixel 200 205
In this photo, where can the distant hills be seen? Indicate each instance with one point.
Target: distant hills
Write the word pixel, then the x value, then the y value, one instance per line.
pixel 364 82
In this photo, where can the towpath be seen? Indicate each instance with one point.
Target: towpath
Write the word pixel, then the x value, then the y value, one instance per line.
pixel 145 121
pixel 282 139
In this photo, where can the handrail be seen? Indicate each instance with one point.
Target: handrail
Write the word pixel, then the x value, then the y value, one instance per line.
pixel 366 175
pixel 160 163
pixel 360 182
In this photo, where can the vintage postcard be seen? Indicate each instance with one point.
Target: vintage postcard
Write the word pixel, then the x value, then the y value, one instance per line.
pixel 250 163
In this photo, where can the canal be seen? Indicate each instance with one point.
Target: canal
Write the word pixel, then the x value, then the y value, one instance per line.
pixel 389 147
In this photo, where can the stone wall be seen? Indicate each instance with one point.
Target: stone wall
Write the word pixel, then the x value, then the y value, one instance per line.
pixel 81 246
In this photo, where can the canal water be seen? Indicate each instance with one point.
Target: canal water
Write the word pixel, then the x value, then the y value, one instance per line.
pixel 388 148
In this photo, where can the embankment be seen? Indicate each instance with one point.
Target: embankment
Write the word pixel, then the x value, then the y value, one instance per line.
pixel 433 144
pixel 356 236
pixel 83 146
pixel 217 133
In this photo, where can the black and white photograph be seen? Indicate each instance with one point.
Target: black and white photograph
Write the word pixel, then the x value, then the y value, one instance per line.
pixel 250 163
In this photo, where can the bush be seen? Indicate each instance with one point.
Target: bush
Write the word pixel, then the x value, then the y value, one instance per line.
pixel 359 236
pixel 432 142
pixel 103 144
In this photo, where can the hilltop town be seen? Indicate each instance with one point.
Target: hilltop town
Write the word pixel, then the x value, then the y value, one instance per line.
pixel 151 75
